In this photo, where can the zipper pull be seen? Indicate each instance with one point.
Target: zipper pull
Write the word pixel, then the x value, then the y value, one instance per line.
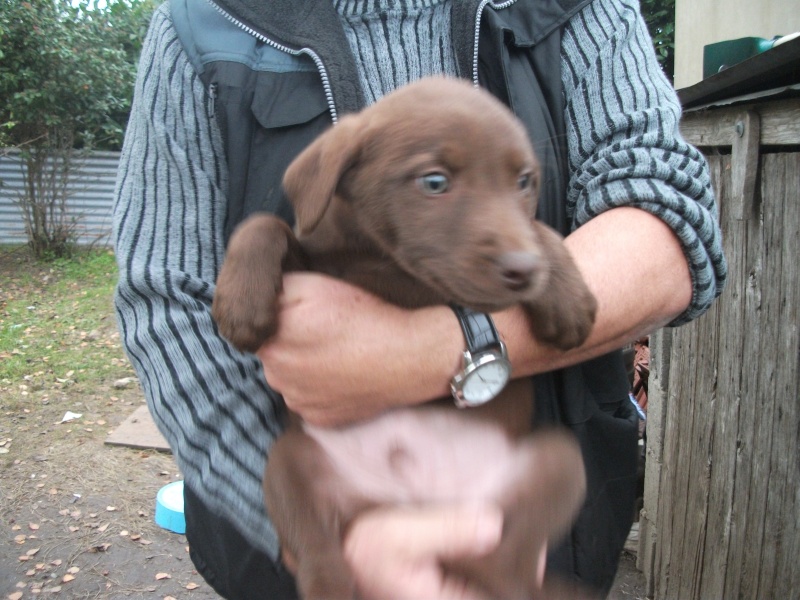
pixel 212 95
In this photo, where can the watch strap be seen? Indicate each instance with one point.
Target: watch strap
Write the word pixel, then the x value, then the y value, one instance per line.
pixel 479 329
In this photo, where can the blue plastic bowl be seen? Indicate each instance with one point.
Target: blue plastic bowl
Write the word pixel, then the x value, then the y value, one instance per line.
pixel 169 508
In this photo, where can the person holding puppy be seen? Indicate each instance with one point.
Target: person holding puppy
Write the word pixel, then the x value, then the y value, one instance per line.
pixel 229 92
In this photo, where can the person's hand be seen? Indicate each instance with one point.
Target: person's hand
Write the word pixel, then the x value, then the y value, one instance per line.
pixel 341 354
pixel 397 552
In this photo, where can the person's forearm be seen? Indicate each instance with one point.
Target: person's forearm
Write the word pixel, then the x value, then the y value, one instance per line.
pixel 635 267
pixel 633 264
pixel 341 355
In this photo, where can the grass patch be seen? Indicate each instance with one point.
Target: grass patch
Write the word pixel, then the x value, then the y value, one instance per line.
pixel 57 324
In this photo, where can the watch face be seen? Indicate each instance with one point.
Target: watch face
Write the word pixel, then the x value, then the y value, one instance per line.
pixel 486 381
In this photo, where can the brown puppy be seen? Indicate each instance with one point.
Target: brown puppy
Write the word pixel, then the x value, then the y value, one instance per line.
pixel 424 198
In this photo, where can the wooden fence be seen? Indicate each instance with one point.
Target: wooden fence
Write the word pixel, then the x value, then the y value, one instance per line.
pixel 721 516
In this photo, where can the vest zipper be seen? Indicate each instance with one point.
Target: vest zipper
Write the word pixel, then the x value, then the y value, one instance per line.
pixel 323 72
pixel 478 17
pixel 212 95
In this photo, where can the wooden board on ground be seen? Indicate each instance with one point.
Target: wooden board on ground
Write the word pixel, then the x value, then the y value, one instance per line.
pixel 138 431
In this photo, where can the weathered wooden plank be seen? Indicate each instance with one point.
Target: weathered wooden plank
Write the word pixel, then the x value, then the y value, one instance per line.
pixel 745 164
pixel 781 189
pixel 744 261
pixel 660 356
pixel 660 344
pixel 685 429
pixel 759 391
pixel 788 430
pixel 729 372
pixel 705 407
pixel 769 373
pixel 672 504
pixel 780 124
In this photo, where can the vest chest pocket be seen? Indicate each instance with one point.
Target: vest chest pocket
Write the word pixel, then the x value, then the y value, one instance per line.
pixel 266 118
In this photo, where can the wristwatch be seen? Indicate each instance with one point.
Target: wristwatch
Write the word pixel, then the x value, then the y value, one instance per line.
pixel 486 368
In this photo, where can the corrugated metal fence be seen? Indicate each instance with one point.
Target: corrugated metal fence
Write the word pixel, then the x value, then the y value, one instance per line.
pixel 91 193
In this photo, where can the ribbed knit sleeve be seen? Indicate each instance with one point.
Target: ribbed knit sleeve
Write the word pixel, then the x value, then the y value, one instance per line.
pixel 624 145
pixel 209 401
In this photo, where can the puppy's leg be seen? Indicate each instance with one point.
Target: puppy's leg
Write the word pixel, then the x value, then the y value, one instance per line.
pixel 244 306
pixel 563 313
pixel 310 506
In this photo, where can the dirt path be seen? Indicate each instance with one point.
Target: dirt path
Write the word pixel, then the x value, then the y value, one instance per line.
pixel 76 515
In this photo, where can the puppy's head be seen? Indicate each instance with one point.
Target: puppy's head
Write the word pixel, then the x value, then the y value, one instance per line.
pixel 442 177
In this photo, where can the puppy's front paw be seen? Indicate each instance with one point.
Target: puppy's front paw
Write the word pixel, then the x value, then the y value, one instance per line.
pixel 563 320
pixel 245 317
pixel 245 305
pixel 563 311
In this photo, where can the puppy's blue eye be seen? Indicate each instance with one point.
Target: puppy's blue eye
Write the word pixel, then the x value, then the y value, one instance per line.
pixel 434 183
pixel 525 181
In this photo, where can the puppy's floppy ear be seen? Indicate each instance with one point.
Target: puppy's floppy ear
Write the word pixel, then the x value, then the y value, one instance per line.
pixel 311 179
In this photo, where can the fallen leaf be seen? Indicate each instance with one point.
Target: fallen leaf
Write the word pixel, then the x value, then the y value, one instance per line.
pixel 57 562
pixel 74 570
pixel 102 528
pixel 15 596
pixel 124 532
pixel 191 586
pixel 32 552
pixel 160 576
pixel 73 529
pixel 100 548
pixel 169 598
pixel 20 539
pixel 33 526
pixel 67 578
pixel 111 508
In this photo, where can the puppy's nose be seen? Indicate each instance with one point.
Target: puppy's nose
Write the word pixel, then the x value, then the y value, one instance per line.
pixel 517 269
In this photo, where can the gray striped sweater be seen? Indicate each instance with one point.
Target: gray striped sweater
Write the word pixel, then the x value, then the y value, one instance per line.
pixel 211 402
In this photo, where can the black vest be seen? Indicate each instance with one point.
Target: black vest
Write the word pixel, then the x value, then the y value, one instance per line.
pixel 282 73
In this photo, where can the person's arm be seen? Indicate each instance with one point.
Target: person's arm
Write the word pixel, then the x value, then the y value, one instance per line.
pixel 369 356
pixel 210 402
pixel 627 307
pixel 645 237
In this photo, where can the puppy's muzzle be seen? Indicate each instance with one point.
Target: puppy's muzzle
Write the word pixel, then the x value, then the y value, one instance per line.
pixel 518 269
